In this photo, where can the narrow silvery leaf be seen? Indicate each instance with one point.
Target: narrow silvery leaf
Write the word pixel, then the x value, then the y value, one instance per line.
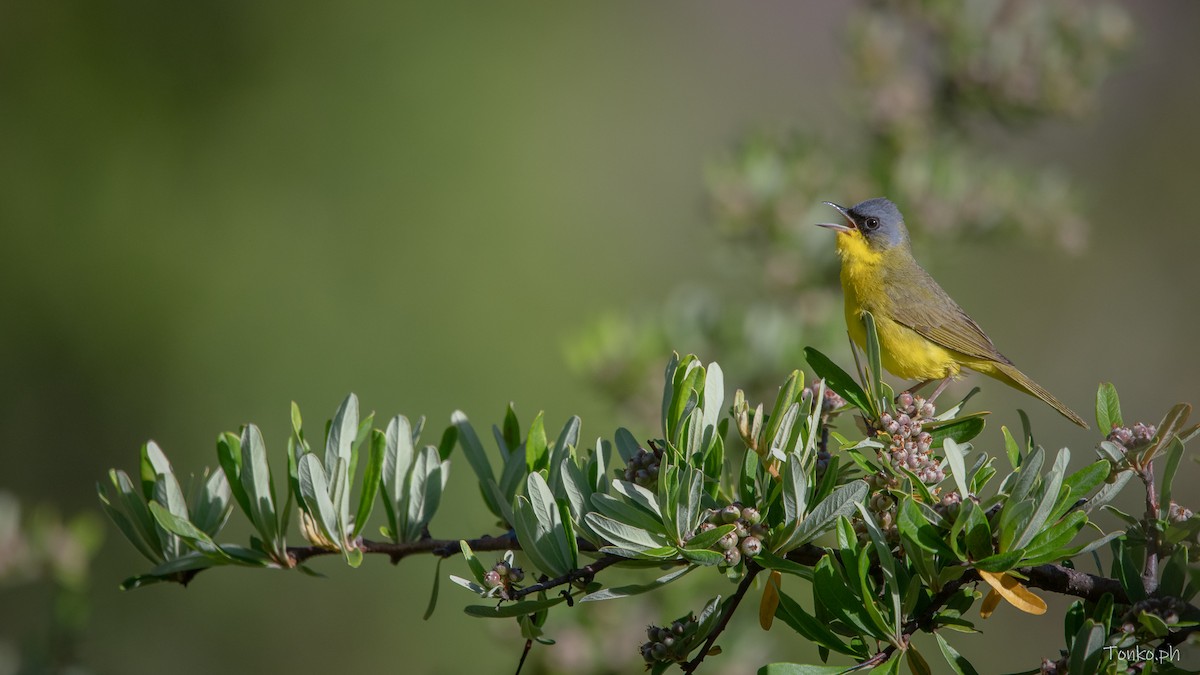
pixel 714 395
pixel 639 495
pixel 627 445
pixel 342 434
pixel 958 468
pixel 783 432
pixel 841 502
pixel 146 543
pixel 1027 475
pixel 534 539
pixel 1049 496
pixel 469 440
pixel 426 482
pixel 314 491
pixel 370 482
pixel 625 512
pixel 397 460
pixel 795 493
pixel 213 504
pixel 636 589
pixel 154 463
pixel 625 536
pixel 256 481
pixel 668 392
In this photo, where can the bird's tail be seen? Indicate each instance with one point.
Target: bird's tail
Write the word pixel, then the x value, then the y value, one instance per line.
pixel 1008 373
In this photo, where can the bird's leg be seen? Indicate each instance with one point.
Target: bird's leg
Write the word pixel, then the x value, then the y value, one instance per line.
pixel 941 386
pixel 920 385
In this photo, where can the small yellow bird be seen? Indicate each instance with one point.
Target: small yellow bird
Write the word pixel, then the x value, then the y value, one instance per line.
pixel 923 333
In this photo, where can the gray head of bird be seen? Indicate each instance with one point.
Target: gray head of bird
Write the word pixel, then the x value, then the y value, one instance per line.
pixel 877 221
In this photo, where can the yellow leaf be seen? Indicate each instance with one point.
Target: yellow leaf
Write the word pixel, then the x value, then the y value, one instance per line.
pixel 770 600
pixel 989 604
pixel 1017 595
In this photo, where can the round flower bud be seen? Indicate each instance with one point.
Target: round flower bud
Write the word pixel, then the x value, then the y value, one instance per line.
pixel 730 513
pixel 751 515
pixel 492 579
pixel 751 546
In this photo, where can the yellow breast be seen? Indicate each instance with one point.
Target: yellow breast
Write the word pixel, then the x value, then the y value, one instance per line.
pixel 904 352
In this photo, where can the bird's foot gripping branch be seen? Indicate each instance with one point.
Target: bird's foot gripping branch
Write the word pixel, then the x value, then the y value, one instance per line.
pixel 877 508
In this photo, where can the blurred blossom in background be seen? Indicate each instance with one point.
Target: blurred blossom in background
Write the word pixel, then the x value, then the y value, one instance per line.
pixel 210 210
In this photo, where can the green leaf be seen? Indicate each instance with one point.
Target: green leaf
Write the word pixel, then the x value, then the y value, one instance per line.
pixel 958 468
pixel 1000 562
pixel 510 610
pixel 979 533
pixel 1087 649
pixel 154 463
pixel 1049 496
pixel 841 503
pixel 211 505
pixel 625 512
pixel 550 519
pixel 184 529
pixel 229 454
pixel 473 562
pixel 810 627
pixel 128 510
pixel 773 562
pixel 836 598
pixel 961 429
pixel 838 380
pixel 425 484
pixel 397 460
pixel 622 535
pixel 476 457
pixel 342 434
pixel 913 524
pixel 700 556
pixel 536 456
pixel 433 593
pixel 256 480
pixel 789 393
pixel 370 484
pixel 512 428
pixel 1168 428
pixel 708 538
pixel 1011 448
pixel 1108 408
pixel 795 492
pixel 1174 454
pixel 635 589
pixel 958 664
pixel 799 669
pixel 314 492
pixel 916 663
pixel 874 365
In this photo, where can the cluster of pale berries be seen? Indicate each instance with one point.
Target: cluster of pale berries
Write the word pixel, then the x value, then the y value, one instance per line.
pixel 910 447
pixel 1132 438
pixel 747 536
pixel 669 643
pixel 643 466
pixel 503 575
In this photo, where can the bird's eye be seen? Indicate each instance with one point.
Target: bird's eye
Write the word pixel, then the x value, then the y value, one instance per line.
pixel 871 223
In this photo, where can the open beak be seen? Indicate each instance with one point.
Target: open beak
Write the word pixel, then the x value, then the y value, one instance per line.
pixel 839 227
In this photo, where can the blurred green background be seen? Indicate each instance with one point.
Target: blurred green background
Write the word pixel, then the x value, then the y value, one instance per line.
pixel 208 210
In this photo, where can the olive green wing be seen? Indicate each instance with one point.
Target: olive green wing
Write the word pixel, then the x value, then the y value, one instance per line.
pixel 917 301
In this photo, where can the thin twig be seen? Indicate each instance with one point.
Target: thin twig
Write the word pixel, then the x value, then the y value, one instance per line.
pixel 524 655
pixel 731 606
pixel 584 573
pixel 1150 527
